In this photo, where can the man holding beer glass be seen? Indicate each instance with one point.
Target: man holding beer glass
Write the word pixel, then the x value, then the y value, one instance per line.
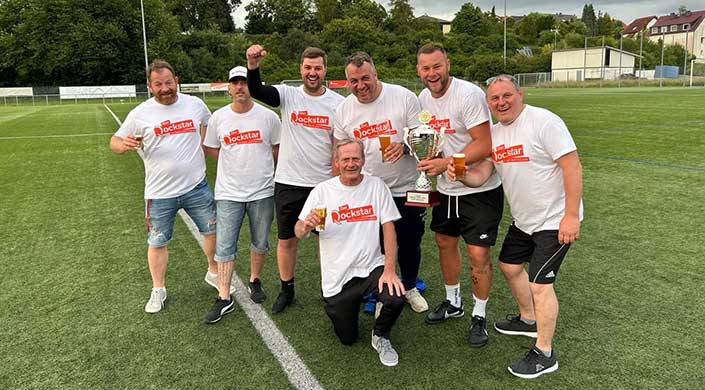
pixel 374 110
pixel 306 149
pixel 473 213
pixel 175 170
pixel 352 264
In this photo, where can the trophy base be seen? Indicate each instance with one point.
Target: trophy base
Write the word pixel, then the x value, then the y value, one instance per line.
pixel 423 198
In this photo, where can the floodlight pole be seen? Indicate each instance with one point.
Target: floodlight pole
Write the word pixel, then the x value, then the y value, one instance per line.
pixel 685 56
pixel 619 72
pixel 641 57
pixel 504 55
pixel 663 45
pixel 691 73
pixel 585 62
pixel 144 42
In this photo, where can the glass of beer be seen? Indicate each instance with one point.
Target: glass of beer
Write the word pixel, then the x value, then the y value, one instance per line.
pixel 139 136
pixel 384 141
pixel 459 165
pixel 321 211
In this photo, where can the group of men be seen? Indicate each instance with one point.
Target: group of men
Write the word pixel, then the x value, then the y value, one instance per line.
pixel 327 154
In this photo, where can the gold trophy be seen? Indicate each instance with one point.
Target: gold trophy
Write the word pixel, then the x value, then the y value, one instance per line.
pixel 424 143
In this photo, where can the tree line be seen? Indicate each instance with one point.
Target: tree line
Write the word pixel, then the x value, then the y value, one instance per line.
pixel 85 42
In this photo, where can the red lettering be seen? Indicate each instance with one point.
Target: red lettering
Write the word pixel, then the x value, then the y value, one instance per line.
pixel 181 127
pixel 357 214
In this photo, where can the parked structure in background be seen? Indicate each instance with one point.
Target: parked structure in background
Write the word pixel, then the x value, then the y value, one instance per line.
pixel 592 63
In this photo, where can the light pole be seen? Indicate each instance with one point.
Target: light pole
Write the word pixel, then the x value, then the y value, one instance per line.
pixel 504 55
pixel 144 42
pixel 663 45
pixel 555 37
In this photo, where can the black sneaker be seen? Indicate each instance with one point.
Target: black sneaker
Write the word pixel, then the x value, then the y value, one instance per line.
pixel 284 300
pixel 534 364
pixel 477 337
pixel 443 311
pixel 257 295
pixel 514 326
pixel 220 308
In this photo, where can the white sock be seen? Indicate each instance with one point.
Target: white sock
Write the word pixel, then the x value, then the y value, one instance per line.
pixel 453 294
pixel 479 308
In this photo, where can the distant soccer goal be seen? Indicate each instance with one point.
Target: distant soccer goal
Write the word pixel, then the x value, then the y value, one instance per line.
pixel 697 72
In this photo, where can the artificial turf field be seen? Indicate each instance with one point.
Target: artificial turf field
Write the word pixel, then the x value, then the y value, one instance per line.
pixel 74 278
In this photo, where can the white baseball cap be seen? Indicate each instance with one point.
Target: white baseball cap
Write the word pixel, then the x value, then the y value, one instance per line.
pixel 238 71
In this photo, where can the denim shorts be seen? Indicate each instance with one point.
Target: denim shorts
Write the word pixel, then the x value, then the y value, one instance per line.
pixel 230 215
pixel 160 214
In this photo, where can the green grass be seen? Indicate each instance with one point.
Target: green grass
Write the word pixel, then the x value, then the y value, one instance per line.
pixel 74 275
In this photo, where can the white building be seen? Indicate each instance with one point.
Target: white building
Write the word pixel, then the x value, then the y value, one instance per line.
pixel 593 63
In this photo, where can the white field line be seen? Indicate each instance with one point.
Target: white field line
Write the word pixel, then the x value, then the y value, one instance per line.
pixel 296 371
pixel 56 136
pixel 299 375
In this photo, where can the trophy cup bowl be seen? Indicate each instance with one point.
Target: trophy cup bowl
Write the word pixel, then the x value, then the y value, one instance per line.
pixel 424 143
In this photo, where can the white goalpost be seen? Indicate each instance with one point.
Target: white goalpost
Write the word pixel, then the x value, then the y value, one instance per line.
pixel 692 65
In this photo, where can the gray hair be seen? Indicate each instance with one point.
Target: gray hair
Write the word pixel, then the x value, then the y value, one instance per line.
pixel 359 58
pixel 341 143
pixel 504 77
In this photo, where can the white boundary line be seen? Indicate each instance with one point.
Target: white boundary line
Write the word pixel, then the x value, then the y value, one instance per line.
pixel 299 375
pixel 295 369
pixel 56 136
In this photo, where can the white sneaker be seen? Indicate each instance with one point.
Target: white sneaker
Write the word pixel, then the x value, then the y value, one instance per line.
pixel 212 279
pixel 416 300
pixel 387 355
pixel 156 301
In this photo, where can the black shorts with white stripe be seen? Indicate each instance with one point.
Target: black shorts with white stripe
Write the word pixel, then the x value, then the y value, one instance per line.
pixel 541 250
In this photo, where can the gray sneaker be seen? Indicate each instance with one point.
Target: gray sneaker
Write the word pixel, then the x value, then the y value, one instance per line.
pixel 387 355
pixel 156 301
pixel 212 280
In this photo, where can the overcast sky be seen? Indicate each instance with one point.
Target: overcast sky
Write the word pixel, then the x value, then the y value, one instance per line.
pixel 624 10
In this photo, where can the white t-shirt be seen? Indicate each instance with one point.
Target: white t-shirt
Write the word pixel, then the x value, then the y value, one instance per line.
pixel 350 244
pixel 306 148
pixel 394 109
pixel 173 158
pixel 245 161
pixel 525 153
pixel 462 107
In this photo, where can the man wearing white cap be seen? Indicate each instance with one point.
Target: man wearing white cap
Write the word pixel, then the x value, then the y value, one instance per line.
pixel 244 138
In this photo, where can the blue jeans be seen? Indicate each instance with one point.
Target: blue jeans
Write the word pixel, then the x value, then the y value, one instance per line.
pixel 160 214
pixel 230 215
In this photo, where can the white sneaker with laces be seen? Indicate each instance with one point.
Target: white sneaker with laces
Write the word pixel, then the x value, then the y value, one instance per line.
pixel 387 355
pixel 156 301
pixel 212 280
pixel 416 300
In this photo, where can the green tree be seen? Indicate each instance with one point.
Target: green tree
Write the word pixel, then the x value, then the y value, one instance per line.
pixel 471 20
pixel 368 10
pixel 401 15
pixel 268 16
pixel 202 15
pixel 609 27
pixel 589 19
pixel 81 42
pixel 326 11
pixel 530 26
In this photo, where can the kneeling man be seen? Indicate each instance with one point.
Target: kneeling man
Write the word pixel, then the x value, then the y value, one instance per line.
pixel 352 264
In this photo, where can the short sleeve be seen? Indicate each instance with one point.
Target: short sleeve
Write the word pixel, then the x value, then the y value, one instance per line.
pixel 475 110
pixel 556 138
pixel 211 139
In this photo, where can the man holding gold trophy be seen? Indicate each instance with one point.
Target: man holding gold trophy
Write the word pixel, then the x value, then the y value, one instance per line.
pixel 372 112
pixel 459 111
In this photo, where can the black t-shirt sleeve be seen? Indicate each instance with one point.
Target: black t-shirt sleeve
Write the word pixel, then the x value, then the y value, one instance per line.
pixel 264 93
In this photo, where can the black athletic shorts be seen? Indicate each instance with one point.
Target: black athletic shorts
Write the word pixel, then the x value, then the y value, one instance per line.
pixel 541 250
pixel 475 217
pixel 288 200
